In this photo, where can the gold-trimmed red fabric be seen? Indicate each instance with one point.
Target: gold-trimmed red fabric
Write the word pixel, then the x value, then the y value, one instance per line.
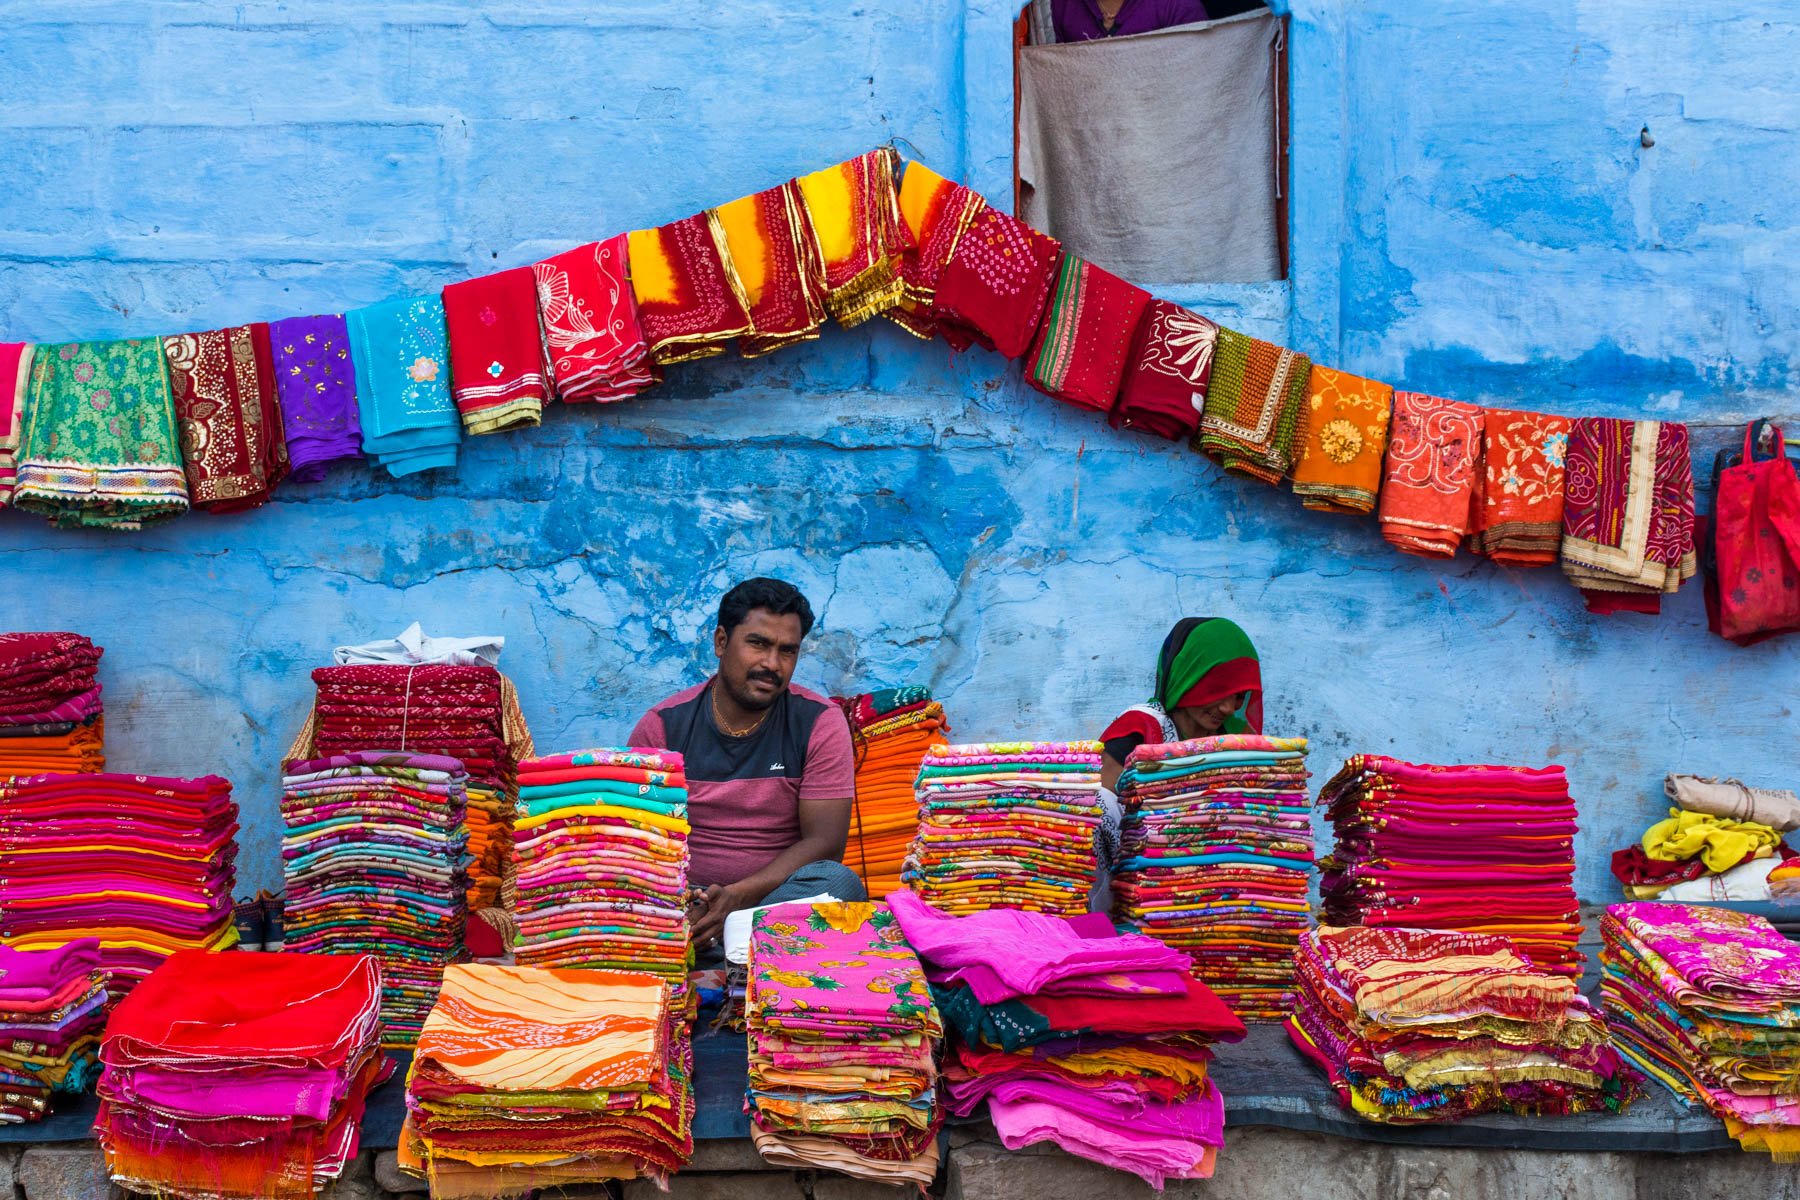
pixel 855 212
pixel 232 441
pixel 689 300
pixel 776 258
pixel 936 213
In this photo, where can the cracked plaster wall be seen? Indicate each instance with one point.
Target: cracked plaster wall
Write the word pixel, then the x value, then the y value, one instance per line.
pixel 1472 214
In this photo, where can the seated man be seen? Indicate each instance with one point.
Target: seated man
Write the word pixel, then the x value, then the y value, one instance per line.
pixel 771 779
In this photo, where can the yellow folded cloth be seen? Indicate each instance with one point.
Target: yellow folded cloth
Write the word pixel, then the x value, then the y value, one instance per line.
pixel 1721 842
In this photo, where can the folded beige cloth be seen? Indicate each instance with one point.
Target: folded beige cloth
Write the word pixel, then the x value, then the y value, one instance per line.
pixel 1777 809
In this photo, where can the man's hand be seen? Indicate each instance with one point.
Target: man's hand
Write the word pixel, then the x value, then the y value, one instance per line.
pixel 707 913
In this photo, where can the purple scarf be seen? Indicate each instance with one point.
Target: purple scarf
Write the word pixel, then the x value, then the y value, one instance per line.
pixel 317 385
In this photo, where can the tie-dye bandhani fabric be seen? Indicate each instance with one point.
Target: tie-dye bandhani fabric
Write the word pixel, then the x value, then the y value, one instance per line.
pixel 689 300
pixel 995 288
pixel 776 258
pixel 937 213
pixel 854 208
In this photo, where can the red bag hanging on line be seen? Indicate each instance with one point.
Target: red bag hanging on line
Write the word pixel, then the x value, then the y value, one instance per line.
pixel 1756 542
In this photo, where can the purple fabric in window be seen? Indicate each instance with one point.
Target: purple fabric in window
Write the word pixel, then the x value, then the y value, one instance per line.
pixel 1080 20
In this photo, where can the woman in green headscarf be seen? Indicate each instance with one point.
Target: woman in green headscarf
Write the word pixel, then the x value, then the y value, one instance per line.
pixel 1208 681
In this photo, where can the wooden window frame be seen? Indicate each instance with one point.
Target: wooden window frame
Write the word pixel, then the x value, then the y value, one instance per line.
pixel 1278 81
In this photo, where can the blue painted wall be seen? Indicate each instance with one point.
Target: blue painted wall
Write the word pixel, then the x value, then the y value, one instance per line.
pixel 1472 214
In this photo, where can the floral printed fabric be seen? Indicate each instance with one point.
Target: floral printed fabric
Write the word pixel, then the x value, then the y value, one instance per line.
pixel 232 440
pixel 842 965
pixel 1433 461
pixel 99 445
pixel 1344 427
pixel 1520 518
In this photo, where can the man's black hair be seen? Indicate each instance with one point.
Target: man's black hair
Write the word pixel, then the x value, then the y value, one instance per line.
pixel 774 596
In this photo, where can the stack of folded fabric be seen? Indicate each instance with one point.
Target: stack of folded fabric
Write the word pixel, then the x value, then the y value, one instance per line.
pixel 1482 849
pixel 1007 825
pixel 1414 1025
pixel 1707 1000
pixel 372 855
pixel 52 1011
pixel 433 708
pixel 1721 841
pixel 142 863
pixel 528 1078
pixel 1072 1034
pixel 50 718
pixel 230 1075
pixel 602 862
pixel 892 731
pixel 1217 854
pixel 842 1037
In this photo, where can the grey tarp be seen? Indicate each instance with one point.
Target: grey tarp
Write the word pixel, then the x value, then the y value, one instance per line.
pixel 1154 156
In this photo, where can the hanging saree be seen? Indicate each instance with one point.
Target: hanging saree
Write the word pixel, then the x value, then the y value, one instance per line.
pixel 99 446
pixel 855 214
pixel 936 213
pixel 1519 520
pixel 591 327
pixel 689 300
pixel 776 258
pixel 1080 350
pixel 1253 403
pixel 1628 518
pixel 497 374
pixel 1163 391
pixel 1428 491
pixel 315 383
pixel 994 290
pixel 223 386
pixel 15 376
pixel 1344 428
pixel 409 422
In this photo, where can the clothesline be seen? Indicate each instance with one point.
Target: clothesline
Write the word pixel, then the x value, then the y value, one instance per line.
pixel 119 434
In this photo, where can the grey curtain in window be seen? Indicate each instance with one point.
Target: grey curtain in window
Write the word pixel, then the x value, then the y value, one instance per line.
pixel 1154 156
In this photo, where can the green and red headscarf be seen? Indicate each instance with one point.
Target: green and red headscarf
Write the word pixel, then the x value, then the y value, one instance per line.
pixel 1206 659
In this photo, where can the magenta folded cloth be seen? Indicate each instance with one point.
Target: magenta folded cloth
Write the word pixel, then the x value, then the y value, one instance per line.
pixel 1154 1141
pixel 38 974
pixel 1025 952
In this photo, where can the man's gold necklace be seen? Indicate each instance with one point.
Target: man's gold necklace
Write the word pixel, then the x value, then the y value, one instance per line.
pixel 719 719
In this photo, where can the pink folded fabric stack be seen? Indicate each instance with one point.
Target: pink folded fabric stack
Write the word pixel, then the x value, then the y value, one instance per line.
pixel 144 864
pixel 1479 849
pixel 1074 1035
pixel 50 717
